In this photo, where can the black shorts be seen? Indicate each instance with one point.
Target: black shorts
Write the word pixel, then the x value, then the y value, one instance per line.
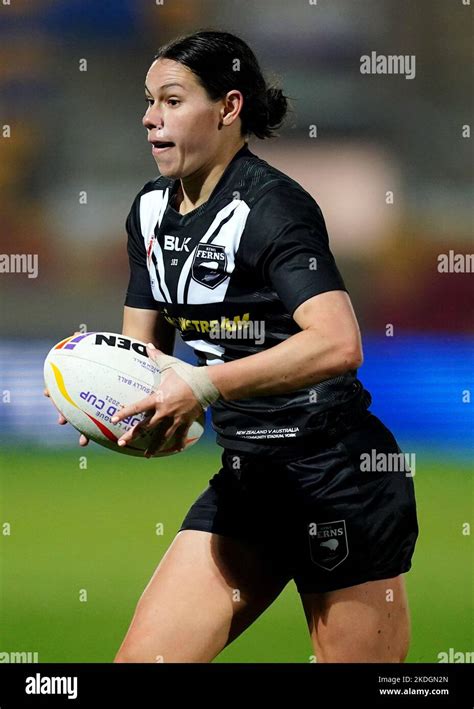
pixel 321 518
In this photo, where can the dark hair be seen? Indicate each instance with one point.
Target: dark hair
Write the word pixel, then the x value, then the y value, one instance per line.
pixel 222 61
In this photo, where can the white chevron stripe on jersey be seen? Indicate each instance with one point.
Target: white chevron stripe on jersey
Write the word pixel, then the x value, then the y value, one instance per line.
pixel 157 250
pixel 228 236
pixel 203 346
pixel 152 208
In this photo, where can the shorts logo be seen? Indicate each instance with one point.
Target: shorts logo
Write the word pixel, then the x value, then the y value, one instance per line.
pixel 328 544
pixel 209 265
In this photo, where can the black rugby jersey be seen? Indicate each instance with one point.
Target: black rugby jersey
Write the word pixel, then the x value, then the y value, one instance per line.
pixel 229 276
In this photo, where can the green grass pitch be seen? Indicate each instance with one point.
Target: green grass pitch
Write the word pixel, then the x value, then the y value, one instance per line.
pixel 95 529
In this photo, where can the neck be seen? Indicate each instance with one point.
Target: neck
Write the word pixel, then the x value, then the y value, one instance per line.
pixel 196 189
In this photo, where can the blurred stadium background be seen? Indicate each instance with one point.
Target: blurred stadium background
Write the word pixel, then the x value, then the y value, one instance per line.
pixel 94 528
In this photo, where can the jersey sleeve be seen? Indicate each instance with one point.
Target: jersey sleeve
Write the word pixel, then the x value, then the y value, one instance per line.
pixel 139 293
pixel 290 246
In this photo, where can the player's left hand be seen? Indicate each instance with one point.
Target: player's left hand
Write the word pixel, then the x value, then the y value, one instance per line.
pixel 170 409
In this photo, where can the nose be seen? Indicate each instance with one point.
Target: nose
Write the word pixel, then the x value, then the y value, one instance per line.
pixel 152 118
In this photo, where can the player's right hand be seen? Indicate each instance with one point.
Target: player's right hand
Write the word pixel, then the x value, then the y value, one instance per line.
pixel 83 440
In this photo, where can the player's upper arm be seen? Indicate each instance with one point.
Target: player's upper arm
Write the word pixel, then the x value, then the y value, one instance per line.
pixel 290 246
pixel 289 236
pixel 139 293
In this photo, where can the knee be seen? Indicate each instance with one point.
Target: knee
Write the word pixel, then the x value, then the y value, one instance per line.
pixel 363 655
pixel 403 648
pixel 120 657
pixel 133 654
pixel 368 646
pixel 361 652
pixel 125 656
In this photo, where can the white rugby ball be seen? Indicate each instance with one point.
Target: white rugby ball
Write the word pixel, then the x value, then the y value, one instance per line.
pixel 93 375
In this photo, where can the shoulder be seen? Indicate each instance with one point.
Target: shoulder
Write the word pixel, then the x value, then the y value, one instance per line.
pixel 138 213
pixel 283 220
pixel 160 183
pixel 279 204
pixel 147 204
pixel 270 192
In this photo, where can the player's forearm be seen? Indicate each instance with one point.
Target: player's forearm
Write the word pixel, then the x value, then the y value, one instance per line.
pixel 304 359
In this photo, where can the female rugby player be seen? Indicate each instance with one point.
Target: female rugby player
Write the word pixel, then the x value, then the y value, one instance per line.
pixel 234 254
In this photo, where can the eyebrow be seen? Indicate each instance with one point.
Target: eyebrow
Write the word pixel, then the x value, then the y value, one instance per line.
pixel 165 86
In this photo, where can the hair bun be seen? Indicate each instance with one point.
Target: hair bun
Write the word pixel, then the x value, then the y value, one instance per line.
pixel 277 106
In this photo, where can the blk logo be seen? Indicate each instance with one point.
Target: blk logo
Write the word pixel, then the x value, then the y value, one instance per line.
pixel 174 243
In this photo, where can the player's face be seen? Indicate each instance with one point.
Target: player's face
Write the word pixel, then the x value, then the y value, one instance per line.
pixel 181 114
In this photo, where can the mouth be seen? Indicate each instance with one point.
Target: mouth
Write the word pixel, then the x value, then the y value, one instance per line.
pixel 159 146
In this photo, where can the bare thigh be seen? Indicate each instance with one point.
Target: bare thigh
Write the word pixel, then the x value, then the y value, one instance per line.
pixel 365 623
pixel 207 590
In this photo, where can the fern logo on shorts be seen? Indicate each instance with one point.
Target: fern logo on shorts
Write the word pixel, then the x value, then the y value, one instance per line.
pixel 328 544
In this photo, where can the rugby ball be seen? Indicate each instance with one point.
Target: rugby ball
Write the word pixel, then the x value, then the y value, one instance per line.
pixel 93 375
